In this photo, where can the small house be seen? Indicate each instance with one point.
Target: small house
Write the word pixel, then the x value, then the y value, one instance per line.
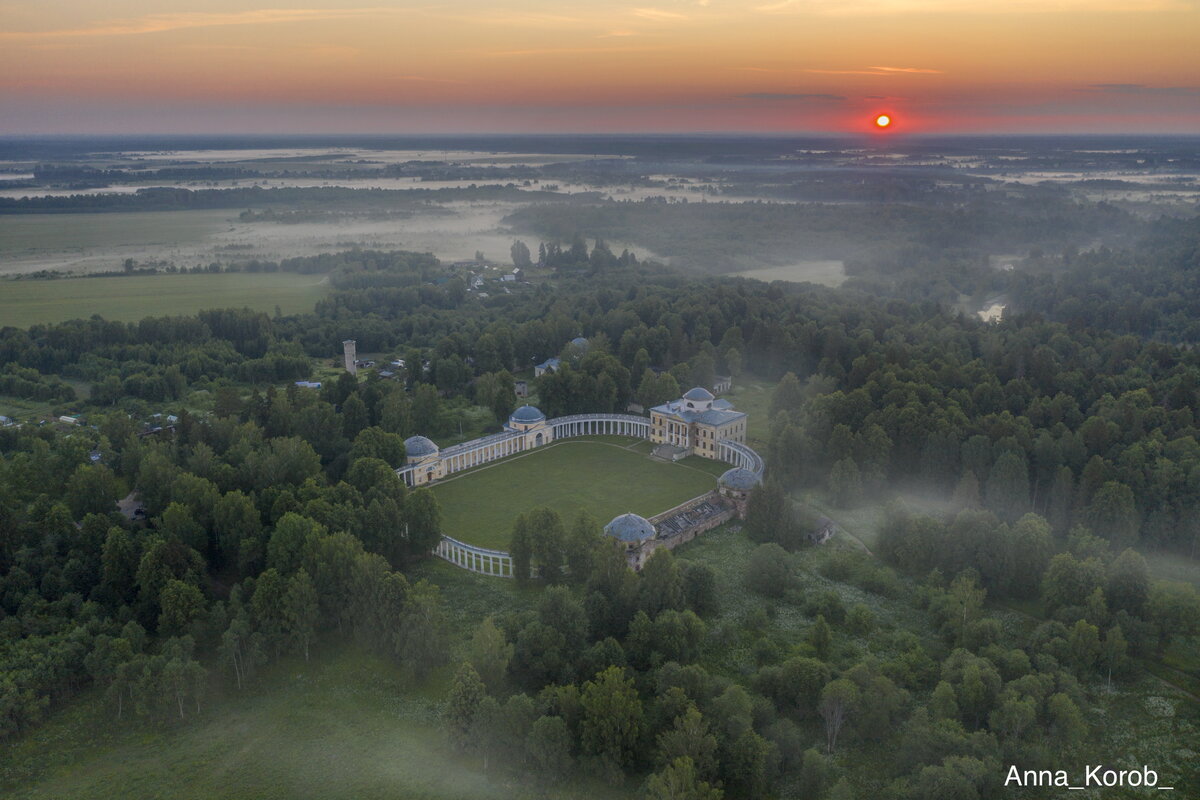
pixel 549 365
pixel 823 531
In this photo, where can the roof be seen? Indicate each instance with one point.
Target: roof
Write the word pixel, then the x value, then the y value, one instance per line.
pixel 714 416
pixel 419 446
pixel 549 363
pixel 738 478
pixel 527 414
pixel 630 528
pixel 579 341
pixel 698 393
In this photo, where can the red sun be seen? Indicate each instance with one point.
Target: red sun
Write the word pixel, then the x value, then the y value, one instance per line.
pixel 883 121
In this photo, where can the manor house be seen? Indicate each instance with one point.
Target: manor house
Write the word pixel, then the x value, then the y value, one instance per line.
pixel 695 423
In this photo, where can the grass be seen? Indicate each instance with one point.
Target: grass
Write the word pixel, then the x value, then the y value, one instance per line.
pixel 19 408
pixel 345 725
pixel 825 273
pixel 860 523
pixel 25 303
pixel 602 477
pixel 1173 567
pixel 32 236
pixel 753 396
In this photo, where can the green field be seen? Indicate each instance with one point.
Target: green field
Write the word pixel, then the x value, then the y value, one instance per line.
pixel 33 236
pixel 753 396
pixel 606 478
pixel 826 273
pixel 346 725
pixel 28 302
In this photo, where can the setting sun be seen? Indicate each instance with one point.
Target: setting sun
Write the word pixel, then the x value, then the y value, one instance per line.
pixel 883 121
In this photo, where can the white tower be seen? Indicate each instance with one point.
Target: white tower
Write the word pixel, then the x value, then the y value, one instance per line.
pixel 350 349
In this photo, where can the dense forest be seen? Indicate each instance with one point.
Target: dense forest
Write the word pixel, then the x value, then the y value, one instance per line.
pixel 273 521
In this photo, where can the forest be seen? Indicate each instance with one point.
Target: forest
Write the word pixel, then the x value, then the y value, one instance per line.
pixel 1061 446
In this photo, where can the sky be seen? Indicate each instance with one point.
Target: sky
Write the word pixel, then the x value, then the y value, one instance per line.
pixel 770 66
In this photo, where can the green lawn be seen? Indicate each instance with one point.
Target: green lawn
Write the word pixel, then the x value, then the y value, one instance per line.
pixel 33 236
pixel 753 396
pixel 603 477
pixel 27 302
pixel 346 725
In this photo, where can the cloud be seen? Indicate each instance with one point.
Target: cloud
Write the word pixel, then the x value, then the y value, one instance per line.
pixel 788 96
pixel 423 79
pixel 882 71
pixel 883 7
pixel 910 70
pixel 658 15
pixel 159 23
pixel 514 19
pixel 551 51
pixel 1141 88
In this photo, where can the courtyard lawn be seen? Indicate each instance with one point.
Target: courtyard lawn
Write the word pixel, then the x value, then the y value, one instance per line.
pixel 603 478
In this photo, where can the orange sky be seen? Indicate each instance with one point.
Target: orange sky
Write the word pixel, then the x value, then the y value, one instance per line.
pixel 83 66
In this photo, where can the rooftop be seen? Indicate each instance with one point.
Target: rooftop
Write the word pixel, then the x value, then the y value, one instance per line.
pixel 419 446
pixel 527 414
pixel 714 416
pixel 738 478
pixel 630 528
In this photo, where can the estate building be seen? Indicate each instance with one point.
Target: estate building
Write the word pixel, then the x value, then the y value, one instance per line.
pixel 425 462
pixel 695 423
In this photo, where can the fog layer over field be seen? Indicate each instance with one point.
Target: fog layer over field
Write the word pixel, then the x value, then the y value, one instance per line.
pixel 457 202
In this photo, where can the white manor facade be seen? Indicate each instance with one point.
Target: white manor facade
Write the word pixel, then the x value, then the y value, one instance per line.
pixel 710 428
pixel 697 423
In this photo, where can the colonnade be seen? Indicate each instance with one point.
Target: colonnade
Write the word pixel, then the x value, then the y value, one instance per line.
pixel 475 559
pixel 481 451
pixel 600 425
pixel 677 433
pixel 741 455
pixel 490 448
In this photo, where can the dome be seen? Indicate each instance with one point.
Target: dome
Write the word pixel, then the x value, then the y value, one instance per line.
pixel 579 341
pixel 739 478
pixel 699 393
pixel 419 446
pixel 526 415
pixel 630 528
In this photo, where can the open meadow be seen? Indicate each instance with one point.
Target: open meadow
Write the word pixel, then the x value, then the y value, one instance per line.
pixel 753 396
pixel 605 478
pixel 98 242
pixel 826 273
pixel 29 302
pixel 344 725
